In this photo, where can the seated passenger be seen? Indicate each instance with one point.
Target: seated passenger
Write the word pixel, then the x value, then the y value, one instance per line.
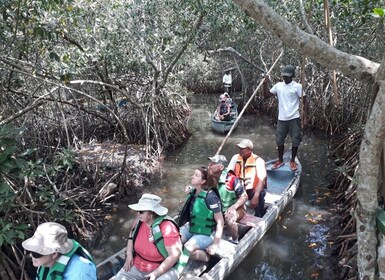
pixel 228 99
pixel 223 110
pixel 153 246
pixel 232 194
pixel 252 170
pixel 201 218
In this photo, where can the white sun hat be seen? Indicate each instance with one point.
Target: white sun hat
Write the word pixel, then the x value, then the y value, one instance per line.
pixel 149 202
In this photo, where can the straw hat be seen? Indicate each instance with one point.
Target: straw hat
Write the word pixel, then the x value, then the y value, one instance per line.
pixel 149 202
pixel 49 238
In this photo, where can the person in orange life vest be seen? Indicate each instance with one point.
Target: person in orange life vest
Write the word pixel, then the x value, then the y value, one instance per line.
pixel 223 110
pixel 252 170
pixel 288 94
pixel 232 194
pixel 201 218
pixel 57 256
pixel 143 259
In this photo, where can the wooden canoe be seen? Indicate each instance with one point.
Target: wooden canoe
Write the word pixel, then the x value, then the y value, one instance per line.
pixel 223 127
pixel 282 186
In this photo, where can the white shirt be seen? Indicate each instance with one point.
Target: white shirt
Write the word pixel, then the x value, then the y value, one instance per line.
pixel 227 79
pixel 288 99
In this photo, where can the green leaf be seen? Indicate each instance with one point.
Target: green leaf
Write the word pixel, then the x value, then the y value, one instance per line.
pixel 378 12
pixel 4 187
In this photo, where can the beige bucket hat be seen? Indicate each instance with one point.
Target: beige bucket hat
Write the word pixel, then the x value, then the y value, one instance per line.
pixel 49 238
pixel 245 143
pixel 149 202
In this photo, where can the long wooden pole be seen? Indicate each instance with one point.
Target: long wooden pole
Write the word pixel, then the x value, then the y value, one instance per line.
pixel 247 104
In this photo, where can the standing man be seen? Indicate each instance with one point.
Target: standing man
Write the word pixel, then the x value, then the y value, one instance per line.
pixel 289 94
pixel 232 194
pixel 252 170
pixel 227 81
pixel 58 257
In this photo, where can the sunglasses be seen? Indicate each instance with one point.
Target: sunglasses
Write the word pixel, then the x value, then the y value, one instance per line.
pixel 36 255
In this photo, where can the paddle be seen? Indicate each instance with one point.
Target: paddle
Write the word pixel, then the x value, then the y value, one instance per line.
pixel 247 104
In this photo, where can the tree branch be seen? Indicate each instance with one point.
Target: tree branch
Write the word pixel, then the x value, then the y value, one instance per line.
pixel 307 44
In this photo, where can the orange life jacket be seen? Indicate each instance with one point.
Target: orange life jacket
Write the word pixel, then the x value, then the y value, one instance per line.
pixel 247 171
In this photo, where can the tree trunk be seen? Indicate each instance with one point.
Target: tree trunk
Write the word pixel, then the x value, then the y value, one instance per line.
pixel 368 173
pixel 372 144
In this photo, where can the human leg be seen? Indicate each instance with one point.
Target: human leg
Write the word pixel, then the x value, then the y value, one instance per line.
pixel 260 209
pixel 132 274
pixel 197 245
pixel 281 133
pixel 296 136
pixel 185 233
pixel 231 219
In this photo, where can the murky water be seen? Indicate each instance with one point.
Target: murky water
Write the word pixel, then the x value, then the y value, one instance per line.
pixel 294 247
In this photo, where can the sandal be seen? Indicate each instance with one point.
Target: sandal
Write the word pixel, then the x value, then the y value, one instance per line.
pixel 293 165
pixel 277 164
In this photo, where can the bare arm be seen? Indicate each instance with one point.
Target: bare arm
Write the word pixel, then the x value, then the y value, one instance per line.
pixel 174 252
pixel 241 201
pixel 261 174
pixel 130 248
pixel 218 233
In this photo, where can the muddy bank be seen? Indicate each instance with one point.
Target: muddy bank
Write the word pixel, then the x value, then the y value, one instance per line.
pixel 115 177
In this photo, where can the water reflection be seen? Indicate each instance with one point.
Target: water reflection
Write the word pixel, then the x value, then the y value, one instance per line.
pixel 294 246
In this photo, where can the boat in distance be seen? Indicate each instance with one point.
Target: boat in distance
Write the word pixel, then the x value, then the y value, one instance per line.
pixel 223 127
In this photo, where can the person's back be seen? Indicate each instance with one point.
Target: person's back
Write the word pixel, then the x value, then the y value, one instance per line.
pixel 79 268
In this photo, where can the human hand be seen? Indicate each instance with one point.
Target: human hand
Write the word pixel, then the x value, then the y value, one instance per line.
pixel 266 79
pixel 231 214
pixel 187 189
pixel 151 276
pixel 212 249
pixel 254 202
pixel 129 262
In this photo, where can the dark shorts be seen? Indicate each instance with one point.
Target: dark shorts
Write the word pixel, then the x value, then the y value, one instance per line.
pixel 293 128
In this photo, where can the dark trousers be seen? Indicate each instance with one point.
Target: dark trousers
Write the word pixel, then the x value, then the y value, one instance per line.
pixel 260 209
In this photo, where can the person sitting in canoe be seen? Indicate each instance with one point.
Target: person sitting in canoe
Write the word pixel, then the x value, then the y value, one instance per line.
pixel 154 247
pixel 232 194
pixel 58 257
pixel 252 170
pixel 201 218
pixel 223 110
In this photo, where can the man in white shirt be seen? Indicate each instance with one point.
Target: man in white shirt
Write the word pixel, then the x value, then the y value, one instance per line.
pixel 288 94
pixel 227 81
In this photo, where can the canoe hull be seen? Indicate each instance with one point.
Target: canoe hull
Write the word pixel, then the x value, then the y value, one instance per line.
pixel 223 127
pixel 282 186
